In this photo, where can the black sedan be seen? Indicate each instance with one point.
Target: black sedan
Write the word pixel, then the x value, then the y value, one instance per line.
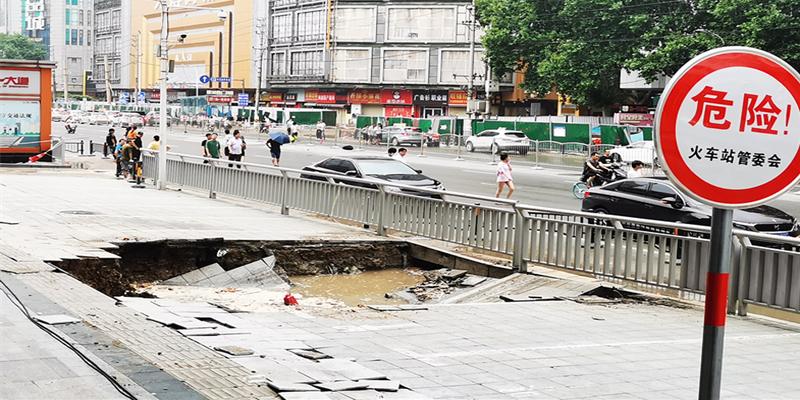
pixel 378 169
pixel 657 198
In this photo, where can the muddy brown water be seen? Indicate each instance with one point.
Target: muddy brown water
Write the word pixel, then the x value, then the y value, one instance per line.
pixel 368 287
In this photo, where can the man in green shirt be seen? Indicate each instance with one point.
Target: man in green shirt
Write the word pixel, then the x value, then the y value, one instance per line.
pixel 213 146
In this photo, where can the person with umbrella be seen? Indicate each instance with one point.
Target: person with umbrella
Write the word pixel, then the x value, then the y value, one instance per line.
pixel 276 139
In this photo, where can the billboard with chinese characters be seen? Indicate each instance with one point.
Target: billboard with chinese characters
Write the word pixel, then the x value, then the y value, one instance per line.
pixel 19 123
pixel 25 108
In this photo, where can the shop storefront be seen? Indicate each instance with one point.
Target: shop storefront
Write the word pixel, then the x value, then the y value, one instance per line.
pixel 457 102
pixel 368 101
pixel 430 103
pixel 397 102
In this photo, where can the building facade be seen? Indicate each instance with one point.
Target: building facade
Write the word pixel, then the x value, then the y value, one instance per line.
pixel 65 26
pixel 373 58
pixel 201 44
pixel 11 16
pixel 114 46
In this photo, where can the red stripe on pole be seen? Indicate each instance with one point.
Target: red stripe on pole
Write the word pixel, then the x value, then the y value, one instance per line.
pixel 716 298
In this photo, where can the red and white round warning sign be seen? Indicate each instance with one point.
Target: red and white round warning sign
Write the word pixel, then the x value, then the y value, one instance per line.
pixel 727 128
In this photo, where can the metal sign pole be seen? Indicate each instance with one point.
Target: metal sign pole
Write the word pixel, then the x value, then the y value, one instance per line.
pixel 719 269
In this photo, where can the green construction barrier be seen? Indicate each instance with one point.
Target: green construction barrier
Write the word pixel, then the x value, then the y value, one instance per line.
pixel 648 133
pixel 305 117
pixel 329 118
pixel 612 134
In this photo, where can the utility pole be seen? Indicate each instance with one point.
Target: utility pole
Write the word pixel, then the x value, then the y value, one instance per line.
pixel 260 33
pixel 488 81
pixel 162 119
pixel 138 65
pixel 107 72
pixel 66 78
pixel 470 86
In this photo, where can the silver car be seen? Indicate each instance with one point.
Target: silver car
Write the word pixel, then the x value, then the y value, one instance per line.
pixel 400 135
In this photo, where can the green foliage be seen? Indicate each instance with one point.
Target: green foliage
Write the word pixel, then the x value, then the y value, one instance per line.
pixel 19 47
pixel 579 46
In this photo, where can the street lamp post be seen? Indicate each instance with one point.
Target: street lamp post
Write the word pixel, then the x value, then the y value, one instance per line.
pixel 162 118
pixel 161 182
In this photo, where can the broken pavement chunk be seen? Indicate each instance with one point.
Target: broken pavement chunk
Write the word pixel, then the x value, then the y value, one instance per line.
pixel 341 385
pixel 309 354
pixel 279 386
pixel 56 319
pixel 234 350
pixel 381 385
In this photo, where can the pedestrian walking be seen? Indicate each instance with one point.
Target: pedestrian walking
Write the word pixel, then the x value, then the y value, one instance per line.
pixel 504 177
pixel 213 146
pixel 110 144
pixel 235 148
pixel 321 131
pixel 225 139
pixel 290 126
pixel 274 152
pixel 128 157
pixel 244 143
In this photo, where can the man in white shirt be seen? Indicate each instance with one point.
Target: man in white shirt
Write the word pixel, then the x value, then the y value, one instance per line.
pixel 321 131
pixel 636 169
pixel 235 148
pixel 401 154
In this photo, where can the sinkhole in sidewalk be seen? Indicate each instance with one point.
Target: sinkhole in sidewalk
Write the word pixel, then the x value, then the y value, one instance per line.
pixel 250 275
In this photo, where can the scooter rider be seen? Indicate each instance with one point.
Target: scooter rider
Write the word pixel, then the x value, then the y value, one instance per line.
pixel 592 168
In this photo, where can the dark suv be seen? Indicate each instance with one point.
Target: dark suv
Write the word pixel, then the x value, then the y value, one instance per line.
pixel 657 198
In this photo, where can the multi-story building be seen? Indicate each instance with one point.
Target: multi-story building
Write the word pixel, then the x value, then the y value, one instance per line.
pixel 113 43
pixel 63 26
pixel 370 57
pixel 201 44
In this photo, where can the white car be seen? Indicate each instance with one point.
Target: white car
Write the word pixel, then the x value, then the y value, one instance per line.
pixel 99 118
pixel 498 141
pixel 644 151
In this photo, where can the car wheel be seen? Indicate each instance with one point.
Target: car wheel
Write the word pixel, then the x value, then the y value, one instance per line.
pixel 495 149
pixel 470 147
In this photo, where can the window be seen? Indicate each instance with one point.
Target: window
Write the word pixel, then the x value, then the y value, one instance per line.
pixel 74 37
pixel 80 17
pixel 88 37
pixel 116 45
pixel 405 66
pixel 68 17
pixel 66 35
pixel 310 25
pixel 282 28
pixel 487 134
pixel 421 24
pixel 74 18
pixel 454 66
pixel 306 63
pixel 351 65
pixel 660 191
pixel 88 19
pixel 354 24
pixel 80 37
pixel 115 71
pixel 633 187
pixel 278 64
pixel 115 19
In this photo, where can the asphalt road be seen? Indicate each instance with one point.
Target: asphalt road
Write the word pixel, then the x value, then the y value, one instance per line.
pixel 548 187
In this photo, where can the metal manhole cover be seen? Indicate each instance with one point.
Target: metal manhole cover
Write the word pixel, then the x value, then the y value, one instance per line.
pixel 78 212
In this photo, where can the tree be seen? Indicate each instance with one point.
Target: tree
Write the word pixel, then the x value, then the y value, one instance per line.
pixel 579 46
pixel 19 47
pixel 769 25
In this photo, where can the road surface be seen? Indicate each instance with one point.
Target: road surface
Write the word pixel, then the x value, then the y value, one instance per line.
pixel 548 187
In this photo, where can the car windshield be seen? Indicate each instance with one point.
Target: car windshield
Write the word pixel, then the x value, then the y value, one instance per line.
pixel 385 167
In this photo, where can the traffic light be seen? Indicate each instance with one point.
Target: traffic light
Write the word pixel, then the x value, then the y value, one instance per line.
pixel 87 76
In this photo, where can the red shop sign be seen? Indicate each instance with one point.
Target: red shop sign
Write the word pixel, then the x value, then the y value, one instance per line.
pixel 397 97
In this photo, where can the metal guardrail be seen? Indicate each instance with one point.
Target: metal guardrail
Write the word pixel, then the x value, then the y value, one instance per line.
pixel 656 255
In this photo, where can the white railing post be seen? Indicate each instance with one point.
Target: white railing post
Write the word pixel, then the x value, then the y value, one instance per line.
pixel 211 185
pixel 381 210
pixel 284 192
pixel 519 241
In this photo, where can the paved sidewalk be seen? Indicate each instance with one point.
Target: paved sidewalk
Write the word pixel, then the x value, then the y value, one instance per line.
pixel 74 213
pixel 33 365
